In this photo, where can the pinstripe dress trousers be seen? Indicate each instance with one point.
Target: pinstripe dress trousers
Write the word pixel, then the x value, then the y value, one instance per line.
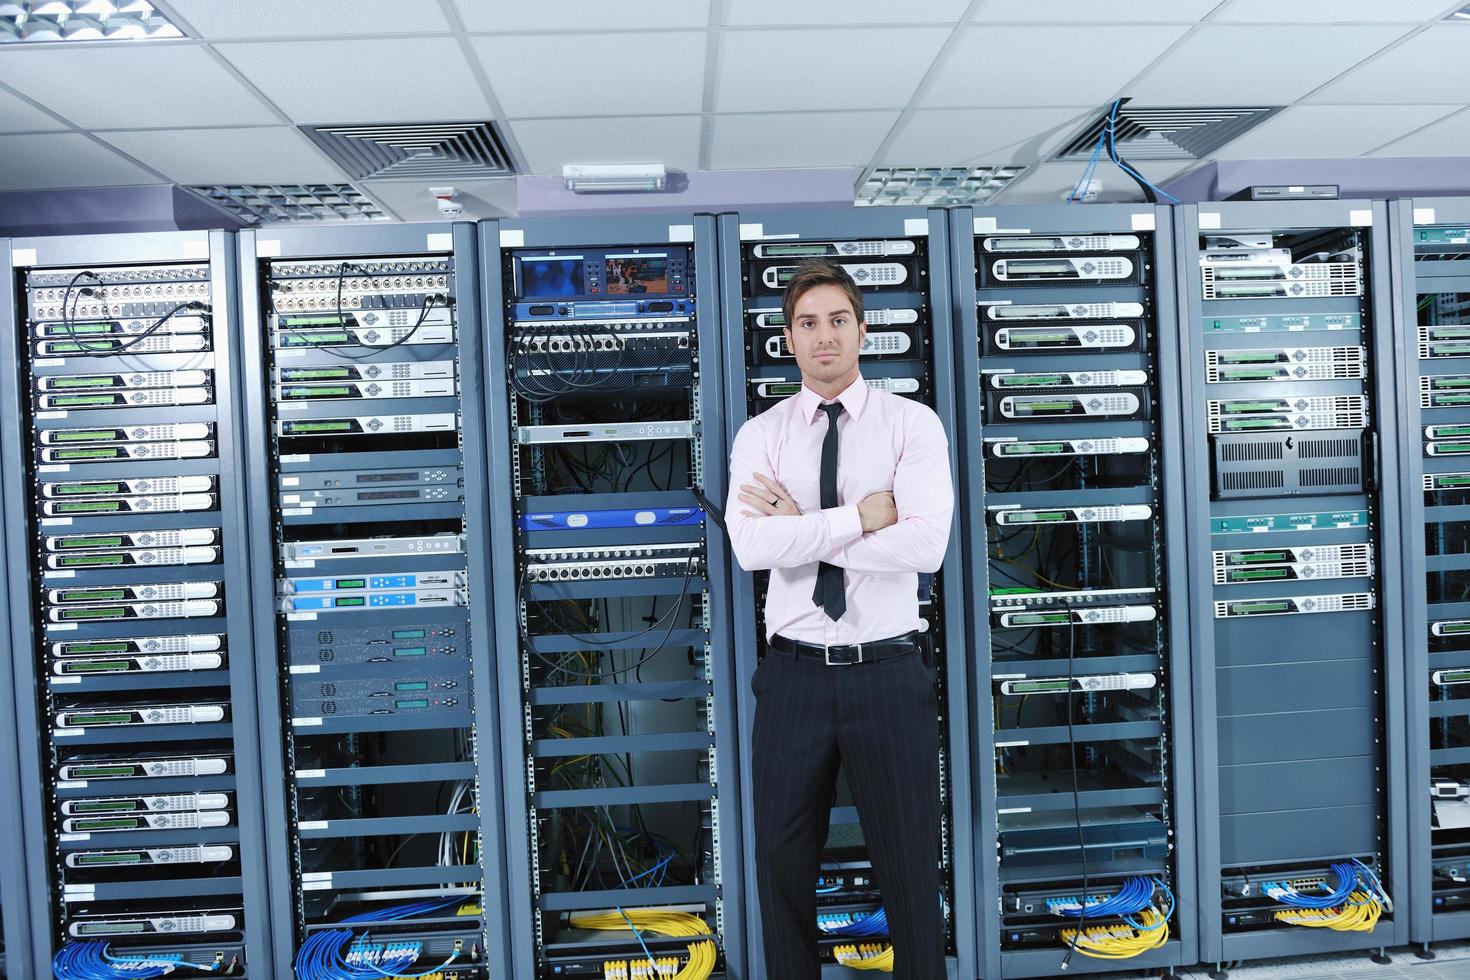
pixel 879 722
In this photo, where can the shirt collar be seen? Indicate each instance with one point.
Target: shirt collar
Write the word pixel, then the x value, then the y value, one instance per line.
pixel 853 398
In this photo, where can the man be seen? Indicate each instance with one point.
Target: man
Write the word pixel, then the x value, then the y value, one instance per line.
pixel 844 493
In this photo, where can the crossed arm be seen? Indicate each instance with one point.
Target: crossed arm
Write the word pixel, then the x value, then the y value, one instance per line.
pixel 777 535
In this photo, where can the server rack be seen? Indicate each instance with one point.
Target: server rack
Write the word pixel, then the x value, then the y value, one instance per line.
pixel 1074 534
pixel 128 602
pixel 1287 355
pixel 15 959
pixel 612 607
pixel 911 353
pixel 369 532
pixel 1431 301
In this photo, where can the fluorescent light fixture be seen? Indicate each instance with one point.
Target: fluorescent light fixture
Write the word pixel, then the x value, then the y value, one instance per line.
pixel 82 20
pixel 614 178
pixel 933 186
pixel 280 203
pixel 1462 14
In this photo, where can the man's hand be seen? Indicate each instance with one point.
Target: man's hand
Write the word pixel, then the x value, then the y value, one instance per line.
pixel 768 499
pixel 878 511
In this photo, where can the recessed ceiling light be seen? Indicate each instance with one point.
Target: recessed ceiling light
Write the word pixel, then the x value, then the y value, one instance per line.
pixel 82 20
pixel 934 186
pixel 277 203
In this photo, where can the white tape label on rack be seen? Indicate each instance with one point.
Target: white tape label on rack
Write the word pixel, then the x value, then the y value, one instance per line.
pixel 681 233
pixel 914 227
pixel 1209 219
pixel 440 241
pixel 1424 216
pixel 1143 220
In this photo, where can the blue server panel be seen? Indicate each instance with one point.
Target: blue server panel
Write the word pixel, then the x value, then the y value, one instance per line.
pixel 1070 414
pixel 1432 241
pixel 898 258
pixel 1289 363
pixel 369 578
pixel 128 606
pixel 609 603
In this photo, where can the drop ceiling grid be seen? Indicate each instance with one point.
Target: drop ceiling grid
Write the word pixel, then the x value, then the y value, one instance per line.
pixel 699 83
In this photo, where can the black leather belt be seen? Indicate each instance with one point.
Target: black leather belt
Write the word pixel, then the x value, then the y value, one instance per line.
pixel 849 653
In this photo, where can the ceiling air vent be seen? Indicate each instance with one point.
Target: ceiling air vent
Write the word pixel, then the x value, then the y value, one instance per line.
pixel 278 203
pixel 1152 133
pixel 416 151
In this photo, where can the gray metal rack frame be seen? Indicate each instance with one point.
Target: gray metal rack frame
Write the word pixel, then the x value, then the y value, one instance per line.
pixel 1175 735
pixel 35 786
pixel 459 241
pixel 1416 224
pixel 498 239
pixel 855 225
pixel 1381 747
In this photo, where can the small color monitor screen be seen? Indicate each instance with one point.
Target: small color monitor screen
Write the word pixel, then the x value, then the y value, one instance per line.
pixel 646 273
pixel 544 276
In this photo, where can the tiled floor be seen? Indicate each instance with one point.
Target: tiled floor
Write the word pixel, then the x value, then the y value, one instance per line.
pixel 1452 962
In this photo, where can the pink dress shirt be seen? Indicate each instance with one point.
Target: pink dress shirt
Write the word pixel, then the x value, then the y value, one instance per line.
pixel 885 442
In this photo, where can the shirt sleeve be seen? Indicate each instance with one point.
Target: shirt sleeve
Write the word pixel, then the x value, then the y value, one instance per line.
pixel 923 490
pixel 779 540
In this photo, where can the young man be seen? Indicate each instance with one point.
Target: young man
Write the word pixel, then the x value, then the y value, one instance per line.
pixel 844 493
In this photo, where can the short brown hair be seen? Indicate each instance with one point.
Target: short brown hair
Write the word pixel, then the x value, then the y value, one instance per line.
pixel 819 272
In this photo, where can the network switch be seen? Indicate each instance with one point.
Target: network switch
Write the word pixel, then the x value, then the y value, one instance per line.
pixel 612 562
pixel 530 435
pixel 306 551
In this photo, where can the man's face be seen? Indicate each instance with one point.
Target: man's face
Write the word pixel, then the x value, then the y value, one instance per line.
pixel 825 334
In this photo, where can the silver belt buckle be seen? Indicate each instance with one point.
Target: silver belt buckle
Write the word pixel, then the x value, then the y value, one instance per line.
pixel 827 655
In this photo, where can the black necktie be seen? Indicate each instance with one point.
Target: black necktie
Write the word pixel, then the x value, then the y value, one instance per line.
pixel 830 592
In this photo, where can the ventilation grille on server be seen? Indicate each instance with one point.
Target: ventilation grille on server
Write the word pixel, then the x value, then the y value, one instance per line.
pixel 1188 133
pixel 416 151
pixel 1273 464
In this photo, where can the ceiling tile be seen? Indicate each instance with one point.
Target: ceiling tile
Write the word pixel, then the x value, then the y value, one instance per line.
pixel 1311 131
pixel 412 201
pixel 952 137
pixel 157 84
pixel 1019 66
pixel 828 13
pixel 785 70
pixel 596 74
pixel 1048 182
pixel 583 15
pixel 798 139
pixel 19 116
pixel 1429 67
pixel 548 144
pixel 50 160
pixel 1091 11
pixel 277 155
pixel 1266 65
pixel 318 18
pixel 1448 138
pixel 1333 12
pixel 362 81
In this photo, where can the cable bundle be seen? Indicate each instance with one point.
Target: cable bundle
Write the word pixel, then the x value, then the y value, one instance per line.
pixel 321 956
pixel 868 956
pixel 1121 940
pixel 702 955
pixel 1360 914
pixel 96 961
pixel 1355 905
pixel 1134 895
pixel 1144 926
pixel 846 924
